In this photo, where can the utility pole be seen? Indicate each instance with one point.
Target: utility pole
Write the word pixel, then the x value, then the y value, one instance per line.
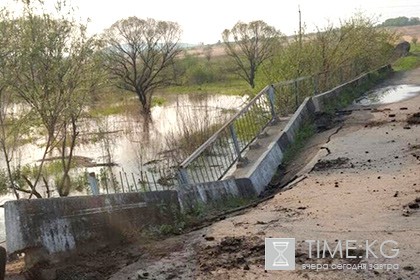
pixel 300 28
pixel 299 71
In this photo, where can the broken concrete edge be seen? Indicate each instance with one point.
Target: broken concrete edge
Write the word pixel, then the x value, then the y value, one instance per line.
pixel 50 227
pixel 262 171
pixel 273 157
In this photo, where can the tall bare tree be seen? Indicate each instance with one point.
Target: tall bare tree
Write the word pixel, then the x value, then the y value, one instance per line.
pixel 250 44
pixel 138 54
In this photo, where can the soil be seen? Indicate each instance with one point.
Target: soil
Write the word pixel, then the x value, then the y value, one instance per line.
pixel 324 121
pixel 230 253
pixel 359 180
pixel 414 119
pixel 331 164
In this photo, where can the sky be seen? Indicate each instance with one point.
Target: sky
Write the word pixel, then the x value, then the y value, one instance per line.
pixel 204 21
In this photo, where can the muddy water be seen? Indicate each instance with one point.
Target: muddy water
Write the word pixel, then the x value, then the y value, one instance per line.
pixel 389 94
pixel 127 135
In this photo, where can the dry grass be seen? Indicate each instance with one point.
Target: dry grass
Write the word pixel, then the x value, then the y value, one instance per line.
pixel 218 50
pixel 407 33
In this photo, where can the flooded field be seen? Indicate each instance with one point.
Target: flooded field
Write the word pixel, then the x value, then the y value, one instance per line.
pixel 129 142
pixel 124 143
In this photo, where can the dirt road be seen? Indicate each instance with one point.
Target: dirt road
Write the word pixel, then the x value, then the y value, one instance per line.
pixel 364 187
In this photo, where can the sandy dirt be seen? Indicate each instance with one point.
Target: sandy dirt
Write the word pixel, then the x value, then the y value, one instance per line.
pixel 359 180
pixel 407 32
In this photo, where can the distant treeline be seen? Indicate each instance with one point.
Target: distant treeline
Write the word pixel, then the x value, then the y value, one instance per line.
pixel 401 21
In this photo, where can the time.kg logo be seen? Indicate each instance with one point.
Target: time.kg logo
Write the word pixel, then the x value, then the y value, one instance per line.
pixel 279 253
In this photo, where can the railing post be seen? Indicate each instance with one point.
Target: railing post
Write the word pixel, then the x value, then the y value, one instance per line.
pixel 271 100
pixel 122 182
pixel 183 176
pixel 235 141
pixel 134 181
pixel 93 183
pixel 296 94
pixel 315 82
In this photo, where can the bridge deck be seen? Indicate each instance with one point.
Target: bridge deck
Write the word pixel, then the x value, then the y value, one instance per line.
pixel 257 150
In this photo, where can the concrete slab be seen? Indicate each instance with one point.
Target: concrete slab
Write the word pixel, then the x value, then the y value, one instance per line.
pixel 262 147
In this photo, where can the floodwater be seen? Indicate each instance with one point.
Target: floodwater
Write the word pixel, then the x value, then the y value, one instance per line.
pixel 129 142
pixel 124 139
pixel 389 94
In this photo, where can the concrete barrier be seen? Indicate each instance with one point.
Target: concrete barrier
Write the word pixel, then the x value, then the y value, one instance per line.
pixel 57 225
pixel 270 160
pixel 265 168
pixel 305 112
pixel 260 172
pixel 320 101
pixel 207 193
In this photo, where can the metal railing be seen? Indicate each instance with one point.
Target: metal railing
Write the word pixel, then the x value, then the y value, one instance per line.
pixel 213 159
pixel 119 181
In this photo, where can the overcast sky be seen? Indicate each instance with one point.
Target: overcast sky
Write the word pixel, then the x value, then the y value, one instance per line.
pixel 204 21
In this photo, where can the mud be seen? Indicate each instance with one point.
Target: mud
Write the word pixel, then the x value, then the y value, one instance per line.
pixel 414 119
pixel 324 121
pixel 341 162
pixel 96 265
pixel 231 252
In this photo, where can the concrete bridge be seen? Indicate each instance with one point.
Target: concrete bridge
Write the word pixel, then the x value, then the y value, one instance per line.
pixel 258 159
pixel 238 161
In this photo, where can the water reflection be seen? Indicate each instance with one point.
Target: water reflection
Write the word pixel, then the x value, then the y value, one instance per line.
pixel 122 139
pixel 389 94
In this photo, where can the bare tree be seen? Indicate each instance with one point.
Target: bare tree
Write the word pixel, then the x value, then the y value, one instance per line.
pixel 138 52
pixel 250 44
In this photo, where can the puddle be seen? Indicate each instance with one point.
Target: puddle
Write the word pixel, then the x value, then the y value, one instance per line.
pixel 388 95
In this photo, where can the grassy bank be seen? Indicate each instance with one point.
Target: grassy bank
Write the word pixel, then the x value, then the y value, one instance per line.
pixel 409 62
pixel 116 103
